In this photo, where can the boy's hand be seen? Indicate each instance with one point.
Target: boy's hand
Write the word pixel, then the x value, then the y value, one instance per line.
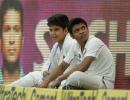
pixel 54 84
pixel 44 84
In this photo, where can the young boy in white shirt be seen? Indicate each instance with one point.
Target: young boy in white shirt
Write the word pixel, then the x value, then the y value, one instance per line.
pixel 58 29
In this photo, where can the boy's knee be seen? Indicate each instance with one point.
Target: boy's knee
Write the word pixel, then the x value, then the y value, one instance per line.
pixel 75 75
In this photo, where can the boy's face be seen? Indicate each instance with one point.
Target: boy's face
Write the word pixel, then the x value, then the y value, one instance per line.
pixel 80 32
pixel 11 36
pixel 58 33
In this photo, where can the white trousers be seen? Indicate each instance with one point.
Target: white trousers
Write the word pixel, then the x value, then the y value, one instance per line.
pixel 84 80
pixel 31 79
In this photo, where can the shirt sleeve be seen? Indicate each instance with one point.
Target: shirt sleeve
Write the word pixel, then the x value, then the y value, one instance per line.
pixel 94 48
pixel 70 54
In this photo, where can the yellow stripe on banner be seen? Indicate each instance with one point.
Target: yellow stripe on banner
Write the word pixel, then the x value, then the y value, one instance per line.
pixel 79 95
pixel 20 93
pixel 113 95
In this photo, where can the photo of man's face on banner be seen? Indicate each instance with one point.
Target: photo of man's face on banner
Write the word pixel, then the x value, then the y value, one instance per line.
pixel 25 42
pixel 14 42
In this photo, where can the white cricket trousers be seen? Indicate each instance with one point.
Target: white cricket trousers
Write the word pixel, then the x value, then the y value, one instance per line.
pixel 31 79
pixel 84 80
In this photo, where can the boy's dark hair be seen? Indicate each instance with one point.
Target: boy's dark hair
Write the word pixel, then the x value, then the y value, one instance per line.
pixel 73 22
pixel 58 20
pixel 10 4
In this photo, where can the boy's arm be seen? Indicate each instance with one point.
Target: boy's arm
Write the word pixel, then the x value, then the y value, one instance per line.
pixel 47 65
pixel 81 67
pixel 56 72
